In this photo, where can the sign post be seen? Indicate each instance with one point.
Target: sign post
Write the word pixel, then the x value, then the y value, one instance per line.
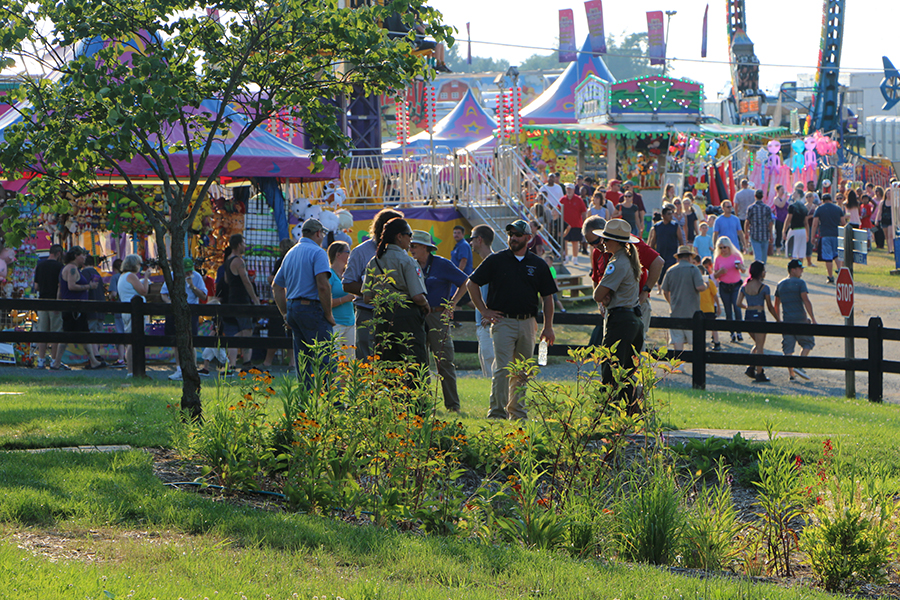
pixel 844 293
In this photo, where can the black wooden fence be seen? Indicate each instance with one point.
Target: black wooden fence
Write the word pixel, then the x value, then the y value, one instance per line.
pixel 874 333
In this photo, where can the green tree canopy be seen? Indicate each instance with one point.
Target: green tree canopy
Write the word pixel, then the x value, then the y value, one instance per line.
pixel 90 114
pixel 626 57
pixel 480 64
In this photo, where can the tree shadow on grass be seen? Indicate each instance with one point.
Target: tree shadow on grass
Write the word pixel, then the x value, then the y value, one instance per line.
pixel 101 489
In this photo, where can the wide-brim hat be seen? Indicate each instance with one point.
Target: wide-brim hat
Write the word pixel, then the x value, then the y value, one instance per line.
pixel 617 230
pixel 423 238
pixel 685 249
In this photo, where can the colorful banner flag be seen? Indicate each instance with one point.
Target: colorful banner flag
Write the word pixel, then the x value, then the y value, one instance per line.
pixel 566 36
pixel 594 10
pixel 656 37
pixel 469 51
pixel 703 37
pixel 213 14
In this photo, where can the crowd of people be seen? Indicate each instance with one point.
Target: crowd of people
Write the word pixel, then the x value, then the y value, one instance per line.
pixel 325 289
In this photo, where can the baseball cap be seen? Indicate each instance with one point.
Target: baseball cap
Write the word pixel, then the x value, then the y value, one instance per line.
pixel 518 226
pixel 188 263
pixel 795 264
pixel 312 226
pixel 570 186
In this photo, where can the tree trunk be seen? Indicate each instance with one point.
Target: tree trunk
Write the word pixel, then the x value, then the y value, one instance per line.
pixel 190 389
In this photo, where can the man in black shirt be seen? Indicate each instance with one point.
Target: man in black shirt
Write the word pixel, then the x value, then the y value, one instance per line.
pixel 519 283
pixel 46 284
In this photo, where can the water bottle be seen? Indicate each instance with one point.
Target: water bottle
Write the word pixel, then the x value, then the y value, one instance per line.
pixel 542 353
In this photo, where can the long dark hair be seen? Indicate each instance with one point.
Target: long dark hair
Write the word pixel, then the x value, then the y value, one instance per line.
pixel 392 228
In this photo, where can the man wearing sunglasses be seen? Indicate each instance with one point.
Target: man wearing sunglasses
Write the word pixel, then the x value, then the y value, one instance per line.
pixel 519 285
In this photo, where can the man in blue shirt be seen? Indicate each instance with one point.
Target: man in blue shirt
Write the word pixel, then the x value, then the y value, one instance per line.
pixel 461 256
pixel 728 225
pixel 440 275
pixel 792 297
pixel 303 294
pixel 826 220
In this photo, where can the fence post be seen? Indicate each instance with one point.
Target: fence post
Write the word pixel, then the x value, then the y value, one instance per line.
pixel 699 347
pixel 138 340
pixel 876 359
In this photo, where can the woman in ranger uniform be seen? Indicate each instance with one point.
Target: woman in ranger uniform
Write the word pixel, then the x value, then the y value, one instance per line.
pixel 404 320
pixel 618 291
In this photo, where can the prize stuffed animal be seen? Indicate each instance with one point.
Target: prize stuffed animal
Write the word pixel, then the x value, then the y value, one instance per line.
pixel 809 157
pixel 797 148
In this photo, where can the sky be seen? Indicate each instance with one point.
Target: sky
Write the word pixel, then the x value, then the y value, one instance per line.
pixel 786 33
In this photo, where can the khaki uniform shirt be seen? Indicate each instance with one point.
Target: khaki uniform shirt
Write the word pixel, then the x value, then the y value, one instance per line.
pixel 620 279
pixel 400 267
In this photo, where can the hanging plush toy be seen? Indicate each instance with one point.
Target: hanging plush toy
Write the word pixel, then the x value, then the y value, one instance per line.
pixel 712 151
pixel 823 144
pixel 345 219
pixel 333 195
pixel 692 147
pixel 701 150
pixel 329 220
pixel 797 148
pixel 773 161
pixel 776 171
pixel 809 157
pixel 298 206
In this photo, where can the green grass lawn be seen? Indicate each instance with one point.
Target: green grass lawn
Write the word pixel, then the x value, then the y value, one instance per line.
pixel 876 273
pixel 146 540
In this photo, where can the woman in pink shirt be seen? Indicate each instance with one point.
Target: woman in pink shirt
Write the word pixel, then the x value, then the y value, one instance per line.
pixel 728 269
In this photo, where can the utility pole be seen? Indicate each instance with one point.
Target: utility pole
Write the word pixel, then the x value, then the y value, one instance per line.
pixel 669 14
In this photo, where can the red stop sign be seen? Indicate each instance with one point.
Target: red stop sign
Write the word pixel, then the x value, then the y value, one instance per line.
pixel 844 292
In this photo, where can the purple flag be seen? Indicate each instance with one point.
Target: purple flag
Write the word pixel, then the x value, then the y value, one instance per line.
pixel 469 51
pixel 594 10
pixel 656 37
pixel 566 36
pixel 703 43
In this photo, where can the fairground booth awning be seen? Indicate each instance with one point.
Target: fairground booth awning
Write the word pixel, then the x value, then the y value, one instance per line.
pixel 645 106
pixel 634 130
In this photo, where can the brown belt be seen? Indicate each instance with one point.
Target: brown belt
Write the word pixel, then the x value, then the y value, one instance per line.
pixel 304 301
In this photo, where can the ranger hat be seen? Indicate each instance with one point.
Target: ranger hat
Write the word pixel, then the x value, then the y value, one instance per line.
pixel 423 238
pixel 617 230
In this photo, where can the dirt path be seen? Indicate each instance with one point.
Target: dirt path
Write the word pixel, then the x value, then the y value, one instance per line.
pixel 869 302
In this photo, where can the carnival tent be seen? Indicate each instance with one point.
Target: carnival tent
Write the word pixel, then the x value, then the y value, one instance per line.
pixel 468 122
pixel 557 103
pixel 260 155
